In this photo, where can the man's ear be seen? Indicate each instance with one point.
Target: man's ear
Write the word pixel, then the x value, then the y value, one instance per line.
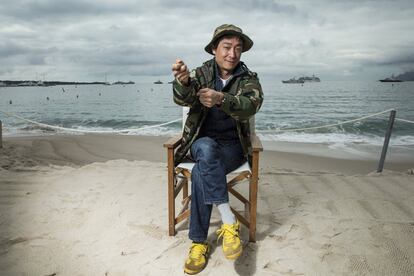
pixel 214 51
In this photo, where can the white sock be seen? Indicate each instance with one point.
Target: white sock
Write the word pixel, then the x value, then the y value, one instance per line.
pixel 227 215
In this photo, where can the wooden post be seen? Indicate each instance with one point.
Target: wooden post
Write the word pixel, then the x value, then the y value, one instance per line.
pixel 1 135
pixel 386 140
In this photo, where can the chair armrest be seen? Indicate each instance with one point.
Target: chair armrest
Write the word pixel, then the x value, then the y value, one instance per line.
pixel 256 143
pixel 173 142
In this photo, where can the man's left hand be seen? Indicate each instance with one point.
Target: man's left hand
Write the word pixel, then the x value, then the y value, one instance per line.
pixel 209 97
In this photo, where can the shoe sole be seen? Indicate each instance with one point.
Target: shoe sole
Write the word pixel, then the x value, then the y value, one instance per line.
pixel 193 272
pixel 234 256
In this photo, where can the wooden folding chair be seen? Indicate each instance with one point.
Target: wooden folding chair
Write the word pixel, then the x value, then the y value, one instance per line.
pixel 179 176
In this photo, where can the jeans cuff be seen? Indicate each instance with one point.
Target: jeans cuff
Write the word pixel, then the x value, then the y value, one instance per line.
pixel 216 201
pixel 198 239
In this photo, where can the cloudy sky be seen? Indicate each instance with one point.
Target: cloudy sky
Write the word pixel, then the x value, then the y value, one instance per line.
pixel 79 40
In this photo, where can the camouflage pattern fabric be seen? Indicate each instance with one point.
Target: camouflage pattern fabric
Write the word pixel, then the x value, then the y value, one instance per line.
pixel 243 97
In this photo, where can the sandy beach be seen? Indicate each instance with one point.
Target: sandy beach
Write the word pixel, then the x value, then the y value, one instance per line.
pixel 97 205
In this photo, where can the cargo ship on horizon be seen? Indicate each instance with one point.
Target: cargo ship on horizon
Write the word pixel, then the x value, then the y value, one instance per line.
pixel 302 80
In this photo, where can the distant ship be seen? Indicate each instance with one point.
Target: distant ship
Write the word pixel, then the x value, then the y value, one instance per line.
pixel 391 79
pixel 293 80
pixel 303 80
pixel 311 79
pixel 158 82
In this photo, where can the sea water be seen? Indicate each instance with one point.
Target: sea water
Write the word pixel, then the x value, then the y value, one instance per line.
pixel 286 106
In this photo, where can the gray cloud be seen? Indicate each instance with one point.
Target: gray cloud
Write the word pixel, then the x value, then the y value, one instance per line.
pixel 403 60
pixel 8 49
pixel 46 9
pixel 19 54
pixel 83 40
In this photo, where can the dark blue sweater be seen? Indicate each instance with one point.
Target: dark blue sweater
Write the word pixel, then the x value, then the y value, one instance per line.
pixel 218 124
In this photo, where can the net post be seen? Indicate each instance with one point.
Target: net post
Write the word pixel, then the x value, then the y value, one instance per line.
pixel 386 140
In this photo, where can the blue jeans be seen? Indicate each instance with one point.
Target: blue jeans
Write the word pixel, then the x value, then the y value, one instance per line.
pixel 208 180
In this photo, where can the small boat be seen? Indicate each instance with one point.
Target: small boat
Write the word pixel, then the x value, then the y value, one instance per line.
pixel 158 82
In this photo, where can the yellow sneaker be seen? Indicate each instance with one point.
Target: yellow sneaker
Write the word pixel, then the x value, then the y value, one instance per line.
pixel 197 258
pixel 232 247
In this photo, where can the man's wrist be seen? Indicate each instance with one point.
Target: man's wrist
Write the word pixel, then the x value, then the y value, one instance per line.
pixel 185 83
pixel 220 99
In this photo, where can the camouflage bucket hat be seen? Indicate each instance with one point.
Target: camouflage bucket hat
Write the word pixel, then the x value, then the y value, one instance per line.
pixel 229 29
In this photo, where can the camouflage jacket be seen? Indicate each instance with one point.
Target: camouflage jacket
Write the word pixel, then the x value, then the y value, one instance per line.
pixel 243 97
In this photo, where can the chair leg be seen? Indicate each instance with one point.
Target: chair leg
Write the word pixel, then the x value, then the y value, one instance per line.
pixel 171 210
pixel 185 189
pixel 171 197
pixel 253 210
pixel 253 196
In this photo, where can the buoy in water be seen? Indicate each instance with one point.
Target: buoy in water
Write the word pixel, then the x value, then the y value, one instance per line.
pixel 10 102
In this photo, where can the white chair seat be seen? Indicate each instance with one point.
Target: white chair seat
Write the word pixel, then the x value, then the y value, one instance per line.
pixel 189 167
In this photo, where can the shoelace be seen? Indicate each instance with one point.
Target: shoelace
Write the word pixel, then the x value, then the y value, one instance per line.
pixel 197 250
pixel 226 229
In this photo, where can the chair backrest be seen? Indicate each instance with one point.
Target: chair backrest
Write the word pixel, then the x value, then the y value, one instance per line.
pixel 252 122
pixel 186 109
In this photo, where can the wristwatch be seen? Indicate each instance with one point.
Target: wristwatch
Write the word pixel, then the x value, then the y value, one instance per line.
pixel 224 99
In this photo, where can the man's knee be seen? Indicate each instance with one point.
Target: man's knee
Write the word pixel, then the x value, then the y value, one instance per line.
pixel 204 148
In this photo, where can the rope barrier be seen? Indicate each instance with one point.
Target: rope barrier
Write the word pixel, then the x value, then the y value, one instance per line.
pixel 87 131
pixel 180 119
pixel 403 120
pixel 326 126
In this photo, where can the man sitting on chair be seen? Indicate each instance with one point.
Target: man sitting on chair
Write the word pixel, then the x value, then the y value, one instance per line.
pixel 222 95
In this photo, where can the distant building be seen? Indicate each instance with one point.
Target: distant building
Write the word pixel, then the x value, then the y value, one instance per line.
pixel 123 82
